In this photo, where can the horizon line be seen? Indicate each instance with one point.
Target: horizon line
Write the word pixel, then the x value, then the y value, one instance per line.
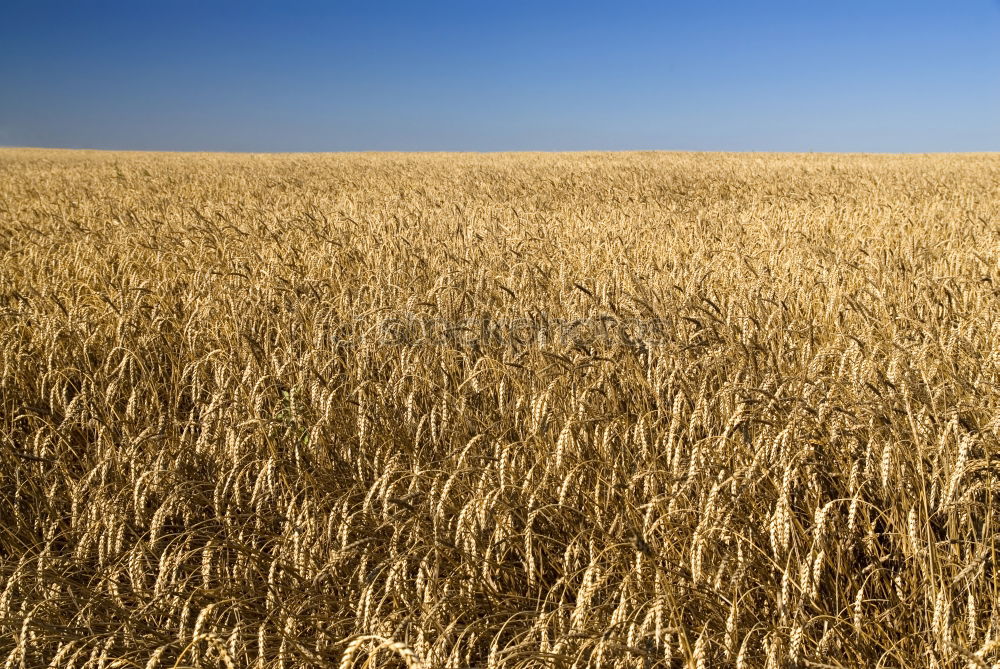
pixel 4 147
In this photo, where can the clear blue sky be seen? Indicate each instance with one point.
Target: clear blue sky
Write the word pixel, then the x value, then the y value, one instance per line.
pixel 487 75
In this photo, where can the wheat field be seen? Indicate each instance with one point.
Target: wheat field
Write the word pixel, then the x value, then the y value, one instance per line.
pixel 499 410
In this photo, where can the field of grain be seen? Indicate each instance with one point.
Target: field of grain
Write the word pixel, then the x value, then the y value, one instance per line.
pixel 511 410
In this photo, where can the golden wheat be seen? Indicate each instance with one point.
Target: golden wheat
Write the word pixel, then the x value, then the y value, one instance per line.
pixel 619 410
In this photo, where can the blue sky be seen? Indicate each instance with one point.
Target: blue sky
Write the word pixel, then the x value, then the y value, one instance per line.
pixel 491 75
